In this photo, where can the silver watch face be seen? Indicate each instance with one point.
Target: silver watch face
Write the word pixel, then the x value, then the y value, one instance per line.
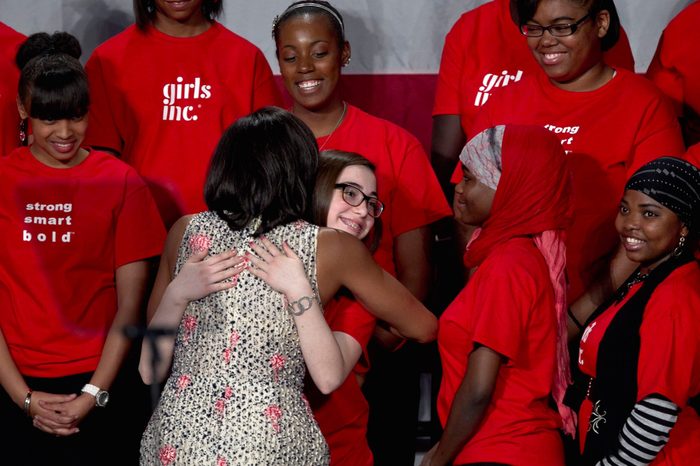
pixel 101 398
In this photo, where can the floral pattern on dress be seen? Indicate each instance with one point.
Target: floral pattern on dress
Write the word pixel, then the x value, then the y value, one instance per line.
pixel 234 396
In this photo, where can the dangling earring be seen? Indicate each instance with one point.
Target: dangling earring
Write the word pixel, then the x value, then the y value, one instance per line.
pixel 150 6
pixel 23 132
pixel 679 249
pixel 347 62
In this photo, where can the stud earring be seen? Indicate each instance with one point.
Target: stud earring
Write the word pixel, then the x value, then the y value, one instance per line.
pixel 679 249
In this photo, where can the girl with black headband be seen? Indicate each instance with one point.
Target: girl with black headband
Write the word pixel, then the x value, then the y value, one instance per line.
pixel 640 353
pixel 312 48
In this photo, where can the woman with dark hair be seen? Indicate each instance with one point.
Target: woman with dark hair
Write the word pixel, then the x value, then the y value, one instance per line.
pixel 239 356
pixel 311 50
pixel 502 341
pixel 165 89
pixel 76 230
pixel 609 121
pixel 640 352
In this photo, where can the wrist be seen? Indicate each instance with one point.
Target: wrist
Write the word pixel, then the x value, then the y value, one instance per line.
pixel 301 304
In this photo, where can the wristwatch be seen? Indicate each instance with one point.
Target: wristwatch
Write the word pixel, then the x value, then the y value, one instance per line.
pixel 101 396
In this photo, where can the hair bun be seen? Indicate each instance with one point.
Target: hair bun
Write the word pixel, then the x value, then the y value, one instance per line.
pixel 42 43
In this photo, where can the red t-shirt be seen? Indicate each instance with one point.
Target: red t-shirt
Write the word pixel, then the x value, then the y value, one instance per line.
pixel 485 51
pixel 406 182
pixel 507 306
pixel 675 68
pixel 607 134
pixel 10 40
pixel 669 357
pixel 163 102
pixel 63 233
pixel 343 414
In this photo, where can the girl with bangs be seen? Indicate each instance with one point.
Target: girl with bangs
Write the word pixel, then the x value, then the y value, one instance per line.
pixel 76 230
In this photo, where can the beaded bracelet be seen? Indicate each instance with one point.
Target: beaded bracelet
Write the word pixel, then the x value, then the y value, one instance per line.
pixel 27 402
pixel 301 305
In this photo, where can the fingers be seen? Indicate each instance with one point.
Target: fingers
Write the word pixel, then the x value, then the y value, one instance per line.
pixel 289 251
pixel 53 428
pixel 198 255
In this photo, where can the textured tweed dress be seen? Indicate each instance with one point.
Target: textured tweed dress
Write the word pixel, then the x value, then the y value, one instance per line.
pixel 234 396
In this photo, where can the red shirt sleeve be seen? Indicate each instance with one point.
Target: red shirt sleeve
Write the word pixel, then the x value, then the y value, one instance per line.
pixel 140 233
pixel 102 131
pixel 266 92
pixel 659 134
pixel 669 358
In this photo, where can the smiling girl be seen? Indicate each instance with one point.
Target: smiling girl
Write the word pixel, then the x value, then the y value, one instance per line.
pixel 312 49
pixel 640 350
pixel 76 230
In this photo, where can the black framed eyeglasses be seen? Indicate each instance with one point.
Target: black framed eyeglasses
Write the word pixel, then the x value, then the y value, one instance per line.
pixel 354 197
pixel 557 30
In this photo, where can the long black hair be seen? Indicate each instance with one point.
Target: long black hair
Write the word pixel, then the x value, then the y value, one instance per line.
pixel 264 166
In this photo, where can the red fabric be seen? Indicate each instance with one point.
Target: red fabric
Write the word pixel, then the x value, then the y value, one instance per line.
pixel 485 51
pixel 10 41
pixel 607 134
pixel 384 96
pixel 675 68
pixel 57 291
pixel 343 414
pixel 533 198
pixel 669 357
pixel 533 194
pixel 405 180
pixel 507 306
pixel 594 332
pixel 132 77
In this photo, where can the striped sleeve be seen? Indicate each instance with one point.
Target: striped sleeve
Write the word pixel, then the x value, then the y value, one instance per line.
pixel 645 432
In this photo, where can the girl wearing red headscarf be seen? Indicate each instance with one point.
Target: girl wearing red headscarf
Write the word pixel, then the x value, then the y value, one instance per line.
pixel 502 341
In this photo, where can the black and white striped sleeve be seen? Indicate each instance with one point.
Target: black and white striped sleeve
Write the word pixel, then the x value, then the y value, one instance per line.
pixel 645 432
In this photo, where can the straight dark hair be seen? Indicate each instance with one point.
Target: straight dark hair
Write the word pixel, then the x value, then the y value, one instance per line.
pixel 331 165
pixel 52 84
pixel 525 11
pixel 264 166
pixel 145 11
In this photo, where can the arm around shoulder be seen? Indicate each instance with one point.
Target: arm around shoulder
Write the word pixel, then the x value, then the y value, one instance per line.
pixel 343 261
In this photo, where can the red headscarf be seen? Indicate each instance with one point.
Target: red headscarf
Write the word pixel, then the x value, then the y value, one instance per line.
pixel 526 166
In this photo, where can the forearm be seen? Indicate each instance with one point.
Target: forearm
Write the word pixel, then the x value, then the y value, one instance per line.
pixel 412 259
pixel 603 286
pixel 645 432
pixel 11 380
pixel 322 354
pixel 168 315
pixel 470 403
pixel 465 416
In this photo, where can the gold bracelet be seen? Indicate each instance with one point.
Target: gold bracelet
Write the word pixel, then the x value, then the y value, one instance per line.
pixel 27 402
pixel 301 305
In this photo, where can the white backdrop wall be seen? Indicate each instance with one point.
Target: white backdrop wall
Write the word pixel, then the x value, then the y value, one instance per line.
pixel 387 36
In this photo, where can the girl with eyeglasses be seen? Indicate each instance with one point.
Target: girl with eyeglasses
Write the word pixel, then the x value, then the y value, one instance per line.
pixel 608 120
